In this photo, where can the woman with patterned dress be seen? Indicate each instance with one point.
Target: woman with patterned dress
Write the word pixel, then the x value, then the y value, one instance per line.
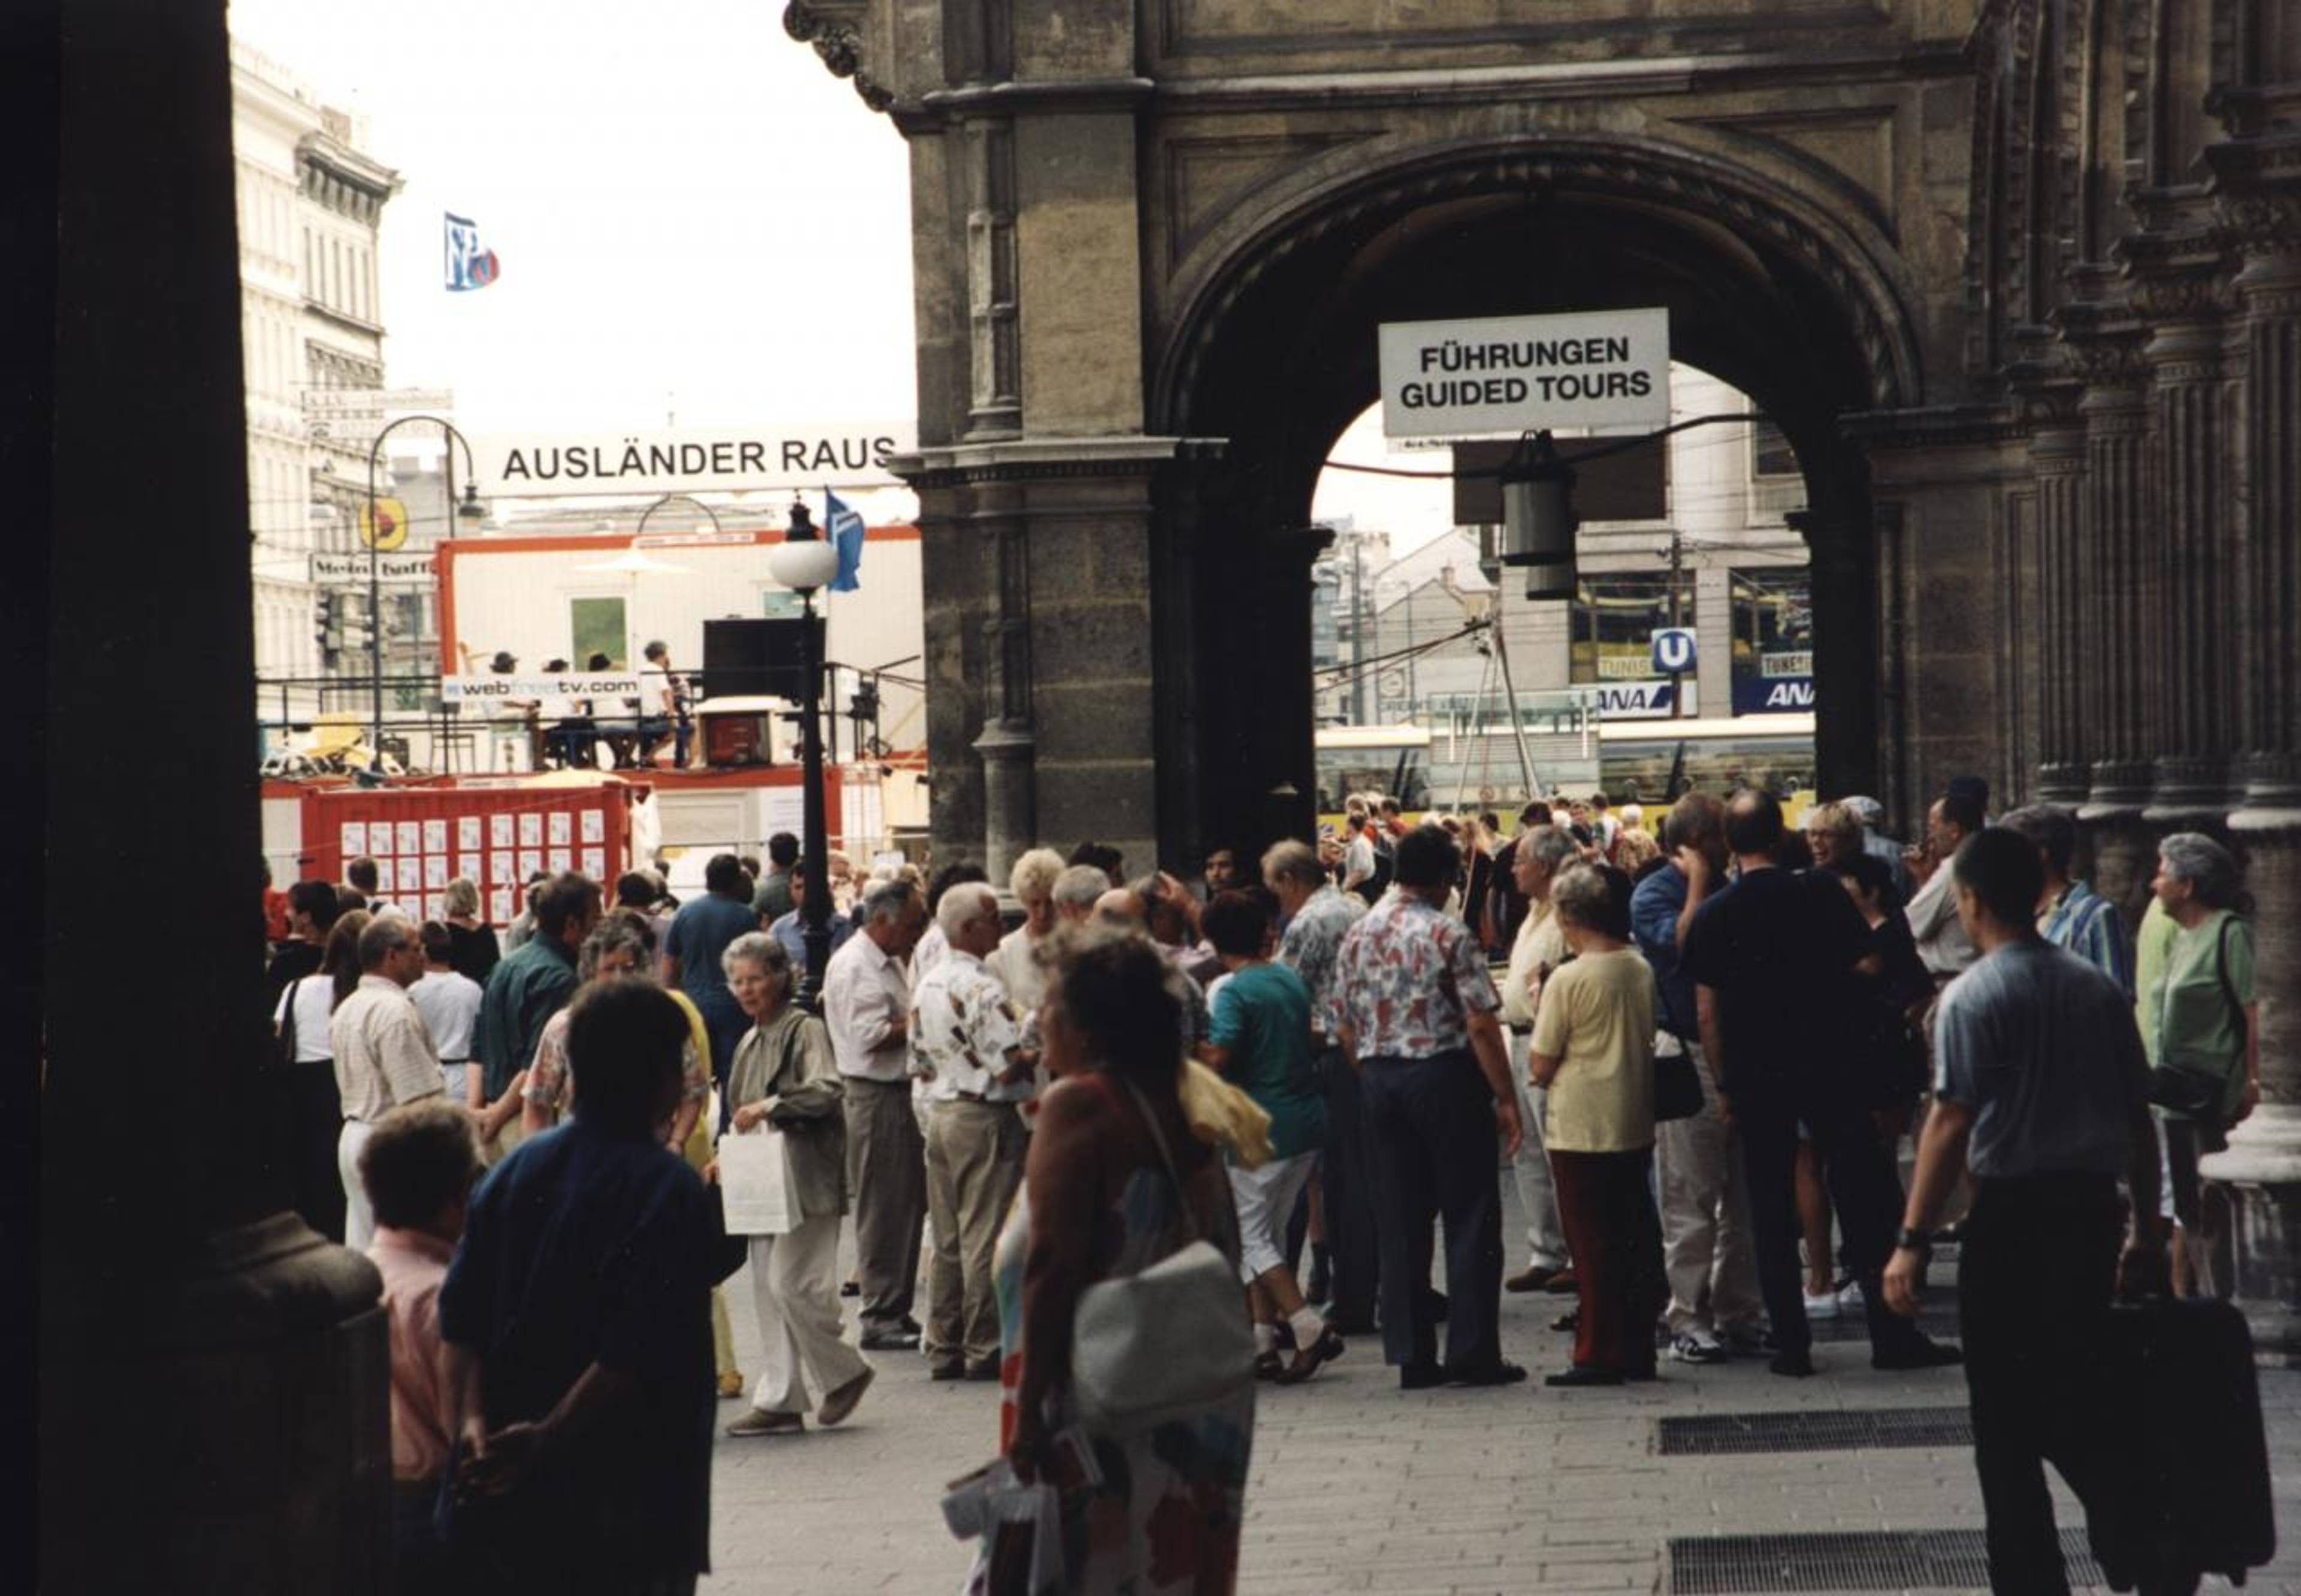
pixel 1155 1513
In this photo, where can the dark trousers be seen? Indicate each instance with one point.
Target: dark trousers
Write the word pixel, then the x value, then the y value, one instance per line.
pixel 1432 1121
pixel 1346 1186
pixel 316 1125
pixel 422 1565
pixel 2035 1271
pixel 1606 1206
pixel 1863 1187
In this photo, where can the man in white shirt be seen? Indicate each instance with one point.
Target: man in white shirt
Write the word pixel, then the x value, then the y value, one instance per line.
pixel 449 1003
pixel 967 1038
pixel 867 1004
pixel 1942 941
pixel 383 1055
pixel 1537 952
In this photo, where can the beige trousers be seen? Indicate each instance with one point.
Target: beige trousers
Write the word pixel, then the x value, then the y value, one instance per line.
pixel 1709 1248
pixel 975 1163
pixel 794 1284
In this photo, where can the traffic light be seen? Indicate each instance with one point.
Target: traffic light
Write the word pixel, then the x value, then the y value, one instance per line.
pixel 329 628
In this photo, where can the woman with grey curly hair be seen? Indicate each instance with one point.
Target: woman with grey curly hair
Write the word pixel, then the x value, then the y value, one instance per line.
pixel 2207 1054
pixel 784 1078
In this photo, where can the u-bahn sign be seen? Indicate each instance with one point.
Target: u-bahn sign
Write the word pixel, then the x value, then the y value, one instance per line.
pixel 1603 371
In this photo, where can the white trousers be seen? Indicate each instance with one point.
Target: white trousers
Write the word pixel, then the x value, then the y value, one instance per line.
pixel 1529 1171
pixel 794 1287
pixel 1709 1247
pixel 1265 1200
pixel 359 1218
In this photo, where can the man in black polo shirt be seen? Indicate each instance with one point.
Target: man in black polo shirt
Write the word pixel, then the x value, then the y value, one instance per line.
pixel 1772 958
pixel 2041 1090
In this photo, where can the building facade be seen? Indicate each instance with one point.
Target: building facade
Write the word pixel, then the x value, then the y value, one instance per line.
pixel 311 201
pixel 2020 282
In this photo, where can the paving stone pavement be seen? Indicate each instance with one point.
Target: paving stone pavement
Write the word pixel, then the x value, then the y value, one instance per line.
pixel 1358 1486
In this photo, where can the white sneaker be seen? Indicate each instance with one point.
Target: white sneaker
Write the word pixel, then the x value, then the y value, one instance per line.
pixel 1696 1345
pixel 1849 1297
pixel 1823 1306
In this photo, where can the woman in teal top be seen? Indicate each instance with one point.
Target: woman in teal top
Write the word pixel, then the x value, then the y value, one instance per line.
pixel 2206 1025
pixel 1260 1039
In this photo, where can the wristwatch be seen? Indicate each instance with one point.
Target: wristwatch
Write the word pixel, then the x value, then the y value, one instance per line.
pixel 1912 1240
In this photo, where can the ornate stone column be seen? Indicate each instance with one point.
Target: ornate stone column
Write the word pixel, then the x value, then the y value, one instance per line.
pixel 2116 576
pixel 2257 189
pixel 2047 396
pixel 2175 268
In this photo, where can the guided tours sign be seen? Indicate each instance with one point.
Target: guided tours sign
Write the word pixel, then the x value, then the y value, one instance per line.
pixel 1599 371
pixel 548 464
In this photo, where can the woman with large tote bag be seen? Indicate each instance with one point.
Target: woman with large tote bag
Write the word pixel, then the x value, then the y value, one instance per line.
pixel 1125 1227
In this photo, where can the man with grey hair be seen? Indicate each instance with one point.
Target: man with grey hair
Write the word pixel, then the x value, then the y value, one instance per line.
pixel 966 1038
pixel 383 1055
pixel 1077 891
pixel 1871 813
pixel 1538 950
pixel 866 1005
pixel 1315 916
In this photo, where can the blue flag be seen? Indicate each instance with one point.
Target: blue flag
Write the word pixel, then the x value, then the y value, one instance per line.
pixel 469 265
pixel 844 527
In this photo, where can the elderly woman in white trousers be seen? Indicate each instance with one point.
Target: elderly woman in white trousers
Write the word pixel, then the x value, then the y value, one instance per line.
pixel 783 1078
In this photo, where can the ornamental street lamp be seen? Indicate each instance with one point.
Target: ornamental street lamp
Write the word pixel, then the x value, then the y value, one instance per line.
pixel 468 508
pixel 640 532
pixel 804 562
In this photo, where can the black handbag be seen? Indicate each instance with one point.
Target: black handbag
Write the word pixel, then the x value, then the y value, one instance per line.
pixel 1677 1087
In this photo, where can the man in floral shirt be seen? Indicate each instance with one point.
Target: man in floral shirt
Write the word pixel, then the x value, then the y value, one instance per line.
pixel 1317 915
pixel 1416 1013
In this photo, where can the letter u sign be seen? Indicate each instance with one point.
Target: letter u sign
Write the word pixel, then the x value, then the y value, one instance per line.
pixel 1673 650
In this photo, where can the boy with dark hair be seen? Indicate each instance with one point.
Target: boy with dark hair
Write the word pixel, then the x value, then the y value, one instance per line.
pixel 417 1168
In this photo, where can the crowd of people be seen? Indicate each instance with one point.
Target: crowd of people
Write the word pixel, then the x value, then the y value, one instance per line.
pixel 1694 1049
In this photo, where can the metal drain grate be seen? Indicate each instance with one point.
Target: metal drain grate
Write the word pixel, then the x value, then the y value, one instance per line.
pixel 1812 1430
pixel 1868 1560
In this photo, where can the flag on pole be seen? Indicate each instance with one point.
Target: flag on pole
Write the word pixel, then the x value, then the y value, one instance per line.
pixel 844 527
pixel 468 266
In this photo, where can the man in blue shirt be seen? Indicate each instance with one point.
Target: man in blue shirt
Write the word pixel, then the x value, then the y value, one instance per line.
pixel 577 1322
pixel 2069 913
pixel 2041 1092
pixel 700 933
pixel 1707 1247
pixel 790 927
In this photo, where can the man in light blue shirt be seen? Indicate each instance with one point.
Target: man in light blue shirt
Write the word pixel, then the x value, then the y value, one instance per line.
pixel 2070 914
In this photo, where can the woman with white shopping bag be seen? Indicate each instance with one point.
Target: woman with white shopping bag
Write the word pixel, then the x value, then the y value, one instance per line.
pixel 785 1088
pixel 1127 1362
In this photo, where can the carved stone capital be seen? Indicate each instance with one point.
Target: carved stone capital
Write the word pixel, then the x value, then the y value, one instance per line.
pixel 834 28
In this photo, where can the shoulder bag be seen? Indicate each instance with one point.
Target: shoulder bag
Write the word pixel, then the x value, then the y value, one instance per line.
pixel 2204 1093
pixel 1165 1341
pixel 1677 1085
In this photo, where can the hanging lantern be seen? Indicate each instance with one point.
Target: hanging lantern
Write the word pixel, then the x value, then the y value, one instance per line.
pixel 1538 519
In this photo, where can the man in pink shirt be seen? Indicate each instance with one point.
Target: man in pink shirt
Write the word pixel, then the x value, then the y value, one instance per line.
pixel 418 1167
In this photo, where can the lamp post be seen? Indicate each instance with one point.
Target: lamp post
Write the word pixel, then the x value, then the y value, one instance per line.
pixel 804 562
pixel 468 508
pixel 640 532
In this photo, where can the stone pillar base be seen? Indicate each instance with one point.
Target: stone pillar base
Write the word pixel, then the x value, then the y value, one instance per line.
pixel 223 1426
pixel 2262 1169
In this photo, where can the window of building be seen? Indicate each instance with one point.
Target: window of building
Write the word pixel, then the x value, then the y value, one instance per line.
pixel 1615 617
pixel 1770 455
pixel 1773 640
pixel 596 626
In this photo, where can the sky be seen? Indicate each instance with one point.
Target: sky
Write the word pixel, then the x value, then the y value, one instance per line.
pixel 692 217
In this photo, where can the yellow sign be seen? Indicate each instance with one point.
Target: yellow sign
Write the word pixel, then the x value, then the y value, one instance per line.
pixel 383 524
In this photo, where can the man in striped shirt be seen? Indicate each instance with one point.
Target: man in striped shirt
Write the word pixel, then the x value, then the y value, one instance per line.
pixel 2070 914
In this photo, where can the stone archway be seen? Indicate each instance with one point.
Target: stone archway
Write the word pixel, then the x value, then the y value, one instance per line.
pixel 1274 352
